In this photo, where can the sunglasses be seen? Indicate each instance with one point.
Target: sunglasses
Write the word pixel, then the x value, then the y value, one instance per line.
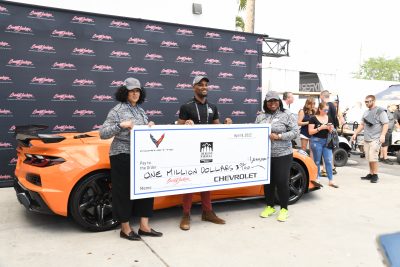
pixel 368 101
pixel 326 110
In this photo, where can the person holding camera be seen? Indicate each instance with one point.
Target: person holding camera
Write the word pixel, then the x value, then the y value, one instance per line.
pixel 319 127
pixel 375 123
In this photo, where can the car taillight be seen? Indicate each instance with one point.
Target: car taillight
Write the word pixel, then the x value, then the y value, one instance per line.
pixel 42 161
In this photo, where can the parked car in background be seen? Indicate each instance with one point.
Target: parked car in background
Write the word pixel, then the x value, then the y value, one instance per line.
pixel 69 175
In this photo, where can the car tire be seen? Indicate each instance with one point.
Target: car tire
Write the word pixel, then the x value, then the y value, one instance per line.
pixel 340 157
pixel 298 183
pixel 398 157
pixel 90 203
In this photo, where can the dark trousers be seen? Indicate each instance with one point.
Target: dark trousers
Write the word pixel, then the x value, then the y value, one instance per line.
pixel 123 207
pixel 279 178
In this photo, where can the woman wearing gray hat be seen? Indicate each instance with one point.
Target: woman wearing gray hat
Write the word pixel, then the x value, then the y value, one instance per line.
pixel 283 131
pixel 120 120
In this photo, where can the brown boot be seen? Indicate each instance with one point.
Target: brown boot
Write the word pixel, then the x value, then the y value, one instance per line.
pixel 185 222
pixel 210 216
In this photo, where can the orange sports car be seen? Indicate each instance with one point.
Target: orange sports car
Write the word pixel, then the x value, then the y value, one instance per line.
pixel 69 174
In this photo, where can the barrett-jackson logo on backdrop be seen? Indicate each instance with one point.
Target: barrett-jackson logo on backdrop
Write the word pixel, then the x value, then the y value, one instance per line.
pixel 102 98
pixel 4 10
pixel 169 99
pixel 63 98
pixel 63 34
pixel 259 65
pixel 102 38
pixel 238 113
pixel 120 24
pixel 12 162
pixel 83 113
pixel 252 101
pixel 43 113
pixel 83 52
pixel 154 57
pixel 19 29
pixel 42 49
pixel 5 45
pixel 238 63
pixel 213 87
pixel 169 44
pixel 5 79
pixel 183 86
pixel 40 15
pixel 102 68
pixel 153 85
pixel 5 145
pixel 185 32
pixel 5 113
pixel 63 66
pixel 195 73
pixel 225 75
pixel 96 126
pixel 120 54
pixel 212 61
pixel 64 128
pixel 183 59
pixel 225 100
pixel 259 40
pixel 154 113
pixel 250 76
pixel 225 49
pixel 250 52
pixel 20 63
pixel 137 70
pixel 212 35
pixel 153 28
pixel 238 88
pixel 5 176
pixel 43 81
pixel 12 129
pixel 83 82
pixel 259 89
pixel 115 83
pixel 238 38
pixel 82 20
pixel 169 72
pixel 137 41
pixel 21 97
pixel 198 47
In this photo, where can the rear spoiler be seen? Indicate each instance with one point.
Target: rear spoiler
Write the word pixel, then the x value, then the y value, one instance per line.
pixel 24 134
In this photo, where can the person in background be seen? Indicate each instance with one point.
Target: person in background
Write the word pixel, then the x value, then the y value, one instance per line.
pixel 228 121
pixel 319 127
pixel 383 157
pixel 288 99
pixel 283 130
pixel 375 124
pixel 199 111
pixel 120 120
pixel 303 120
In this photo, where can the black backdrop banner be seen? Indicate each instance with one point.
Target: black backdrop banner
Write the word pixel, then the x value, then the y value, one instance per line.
pixel 61 68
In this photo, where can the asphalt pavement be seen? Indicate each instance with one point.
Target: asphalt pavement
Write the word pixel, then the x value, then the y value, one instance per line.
pixel 328 227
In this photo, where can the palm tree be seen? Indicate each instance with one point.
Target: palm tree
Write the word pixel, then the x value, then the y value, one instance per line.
pixel 249 6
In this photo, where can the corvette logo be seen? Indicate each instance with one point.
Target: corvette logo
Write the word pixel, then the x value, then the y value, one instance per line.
pixel 155 141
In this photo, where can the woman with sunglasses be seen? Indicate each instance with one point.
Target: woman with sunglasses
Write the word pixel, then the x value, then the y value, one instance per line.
pixel 319 127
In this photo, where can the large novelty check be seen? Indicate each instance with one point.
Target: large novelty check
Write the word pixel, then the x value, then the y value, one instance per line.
pixel 177 159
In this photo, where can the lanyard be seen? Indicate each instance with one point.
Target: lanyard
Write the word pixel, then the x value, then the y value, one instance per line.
pixel 135 113
pixel 198 113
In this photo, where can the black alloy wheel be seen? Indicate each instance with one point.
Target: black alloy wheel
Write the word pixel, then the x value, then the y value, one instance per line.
pixel 298 183
pixel 90 203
